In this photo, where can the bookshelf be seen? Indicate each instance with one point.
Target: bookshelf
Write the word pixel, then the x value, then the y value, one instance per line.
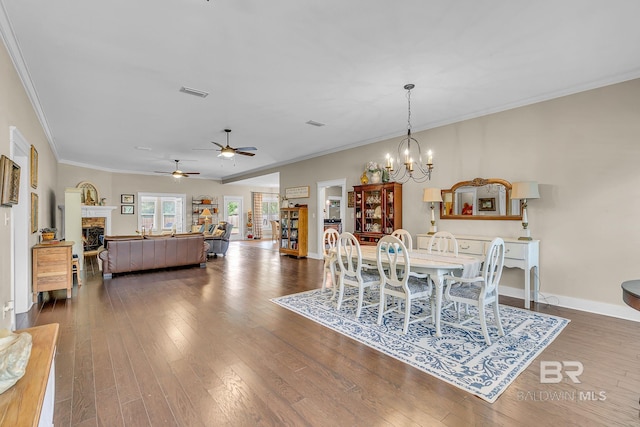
pixel 293 231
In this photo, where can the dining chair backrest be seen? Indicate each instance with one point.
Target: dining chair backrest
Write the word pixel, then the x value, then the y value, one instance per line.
pixel 393 260
pixel 443 243
pixel 330 241
pixel 349 255
pixel 493 265
pixel 404 236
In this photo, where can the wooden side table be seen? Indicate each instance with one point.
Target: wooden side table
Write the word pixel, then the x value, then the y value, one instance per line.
pixel 52 268
pixel 631 295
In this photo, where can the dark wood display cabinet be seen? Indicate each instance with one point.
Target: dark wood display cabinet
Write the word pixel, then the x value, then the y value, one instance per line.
pixel 378 211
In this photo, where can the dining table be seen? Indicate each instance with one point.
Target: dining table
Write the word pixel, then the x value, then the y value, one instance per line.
pixel 437 266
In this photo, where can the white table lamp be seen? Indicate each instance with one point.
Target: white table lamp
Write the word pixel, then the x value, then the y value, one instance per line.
pixel 523 191
pixel 433 195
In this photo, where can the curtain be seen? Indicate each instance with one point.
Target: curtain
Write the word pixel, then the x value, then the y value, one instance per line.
pixel 257 214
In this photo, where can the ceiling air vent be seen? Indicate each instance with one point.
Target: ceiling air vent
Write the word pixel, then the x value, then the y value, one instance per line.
pixel 195 92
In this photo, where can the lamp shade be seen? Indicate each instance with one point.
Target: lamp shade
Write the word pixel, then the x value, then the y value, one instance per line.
pixel 206 213
pixel 525 190
pixel 432 195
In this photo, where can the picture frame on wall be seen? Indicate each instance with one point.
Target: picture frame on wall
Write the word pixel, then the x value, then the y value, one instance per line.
pixel 127 198
pixel 34 213
pixel 126 210
pixel 10 173
pixel 89 196
pixel 488 204
pixel 34 167
pixel 351 199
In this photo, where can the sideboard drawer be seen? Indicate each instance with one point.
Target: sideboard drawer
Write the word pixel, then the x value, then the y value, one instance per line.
pixel 514 251
pixel 472 247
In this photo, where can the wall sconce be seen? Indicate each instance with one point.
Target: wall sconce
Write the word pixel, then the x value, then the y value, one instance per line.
pixel 433 195
pixel 523 191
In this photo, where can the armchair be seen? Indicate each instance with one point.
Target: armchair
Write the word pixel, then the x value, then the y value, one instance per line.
pixel 219 239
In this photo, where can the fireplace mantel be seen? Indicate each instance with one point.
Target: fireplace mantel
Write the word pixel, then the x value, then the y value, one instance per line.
pixel 99 212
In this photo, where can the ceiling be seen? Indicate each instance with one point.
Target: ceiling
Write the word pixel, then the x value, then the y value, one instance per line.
pixel 105 76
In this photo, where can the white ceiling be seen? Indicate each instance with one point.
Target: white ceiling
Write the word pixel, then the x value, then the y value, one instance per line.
pixel 105 76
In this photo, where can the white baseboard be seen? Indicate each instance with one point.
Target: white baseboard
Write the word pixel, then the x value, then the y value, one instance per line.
pixel 606 309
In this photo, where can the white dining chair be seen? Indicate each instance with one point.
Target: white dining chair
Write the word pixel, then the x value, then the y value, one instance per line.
pixel 393 261
pixel 443 243
pixel 404 236
pixel 354 273
pixel 480 291
pixel 330 242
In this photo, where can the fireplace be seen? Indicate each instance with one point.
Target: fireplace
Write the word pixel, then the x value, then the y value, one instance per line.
pixel 92 229
pixel 96 221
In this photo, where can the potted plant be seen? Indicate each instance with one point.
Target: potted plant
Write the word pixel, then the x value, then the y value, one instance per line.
pixel 48 233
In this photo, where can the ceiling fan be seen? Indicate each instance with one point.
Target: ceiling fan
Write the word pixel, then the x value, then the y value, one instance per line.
pixel 178 173
pixel 228 151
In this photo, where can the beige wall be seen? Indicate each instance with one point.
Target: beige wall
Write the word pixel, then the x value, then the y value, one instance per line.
pixel 112 185
pixel 16 110
pixel 584 151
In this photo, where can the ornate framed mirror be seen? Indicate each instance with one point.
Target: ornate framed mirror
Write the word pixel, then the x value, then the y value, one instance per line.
pixel 480 199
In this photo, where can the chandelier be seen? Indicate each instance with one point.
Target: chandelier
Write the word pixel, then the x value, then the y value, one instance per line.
pixel 409 158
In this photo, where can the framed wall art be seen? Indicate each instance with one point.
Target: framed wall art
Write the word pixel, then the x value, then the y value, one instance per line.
pixel 297 192
pixel 10 173
pixel 127 198
pixel 126 209
pixel 89 196
pixel 34 213
pixel 34 167
pixel 488 204
pixel 351 199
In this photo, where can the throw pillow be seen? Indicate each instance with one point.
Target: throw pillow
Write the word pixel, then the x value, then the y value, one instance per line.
pixel 218 232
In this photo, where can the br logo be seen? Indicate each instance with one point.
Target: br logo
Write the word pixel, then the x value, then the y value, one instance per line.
pixel 551 372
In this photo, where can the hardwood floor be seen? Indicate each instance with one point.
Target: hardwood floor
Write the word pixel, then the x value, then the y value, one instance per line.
pixel 206 347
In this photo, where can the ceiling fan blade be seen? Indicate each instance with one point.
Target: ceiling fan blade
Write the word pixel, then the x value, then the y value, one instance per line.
pixel 244 153
pixel 191 173
pixel 161 172
pixel 221 146
pixel 246 149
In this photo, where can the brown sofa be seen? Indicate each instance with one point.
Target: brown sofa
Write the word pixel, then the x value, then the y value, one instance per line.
pixel 123 254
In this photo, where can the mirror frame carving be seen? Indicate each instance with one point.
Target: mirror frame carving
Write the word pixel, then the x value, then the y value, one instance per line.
pixel 479 182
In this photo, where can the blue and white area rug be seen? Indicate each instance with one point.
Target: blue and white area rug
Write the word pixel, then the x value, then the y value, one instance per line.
pixel 460 357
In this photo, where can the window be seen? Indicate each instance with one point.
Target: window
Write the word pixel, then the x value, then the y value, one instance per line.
pixel 160 212
pixel 270 209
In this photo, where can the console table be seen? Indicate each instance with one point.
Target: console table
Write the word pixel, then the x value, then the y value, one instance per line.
pixel 522 254
pixel 30 401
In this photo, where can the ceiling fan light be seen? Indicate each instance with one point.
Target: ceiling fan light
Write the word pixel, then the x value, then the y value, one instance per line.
pixel 227 153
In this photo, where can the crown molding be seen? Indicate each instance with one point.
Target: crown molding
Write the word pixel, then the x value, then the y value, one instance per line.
pixel 13 48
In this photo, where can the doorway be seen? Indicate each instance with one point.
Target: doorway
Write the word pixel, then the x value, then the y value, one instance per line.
pixel 234 215
pixel 20 232
pixel 335 192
